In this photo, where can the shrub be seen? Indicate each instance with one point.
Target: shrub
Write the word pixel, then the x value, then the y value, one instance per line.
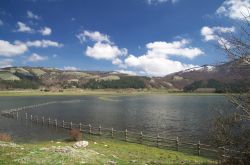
pixel 75 134
pixel 5 137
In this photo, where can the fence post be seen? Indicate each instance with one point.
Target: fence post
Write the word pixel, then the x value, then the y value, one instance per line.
pixel 90 129
pixel 26 116
pixel 126 135
pixel 100 130
pixel 112 132
pixel 49 121
pixel 80 126
pixel 158 140
pixel 141 137
pixel 199 148
pixel 17 114
pixel 43 120
pixel 36 119
pixel 71 125
pixel 31 117
pixel 177 143
pixel 63 124
pixel 56 123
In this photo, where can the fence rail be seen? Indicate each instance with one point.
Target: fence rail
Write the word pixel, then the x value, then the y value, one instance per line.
pixel 125 135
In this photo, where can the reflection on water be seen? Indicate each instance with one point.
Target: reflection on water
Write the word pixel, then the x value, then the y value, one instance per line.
pixel 170 115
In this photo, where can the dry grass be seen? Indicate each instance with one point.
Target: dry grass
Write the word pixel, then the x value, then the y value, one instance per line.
pixel 5 137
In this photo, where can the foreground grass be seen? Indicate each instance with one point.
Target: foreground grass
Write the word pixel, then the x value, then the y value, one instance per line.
pixel 101 92
pixel 99 151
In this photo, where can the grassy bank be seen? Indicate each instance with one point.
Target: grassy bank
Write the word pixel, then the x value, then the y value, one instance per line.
pixel 99 151
pixel 101 92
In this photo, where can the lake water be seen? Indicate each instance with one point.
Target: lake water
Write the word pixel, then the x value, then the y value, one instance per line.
pixel 188 117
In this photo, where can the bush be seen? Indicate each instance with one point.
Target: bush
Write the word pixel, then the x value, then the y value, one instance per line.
pixel 5 137
pixel 75 134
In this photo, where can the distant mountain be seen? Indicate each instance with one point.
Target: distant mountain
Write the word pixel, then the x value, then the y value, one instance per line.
pixel 231 76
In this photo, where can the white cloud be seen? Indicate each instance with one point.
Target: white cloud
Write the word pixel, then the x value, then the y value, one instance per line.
pixel 41 43
pixel 1 22
pixel 127 72
pixel 212 33
pixel 22 27
pixel 176 48
pixel 161 1
pixel 46 31
pixel 70 68
pixel 36 58
pixel 234 9
pixel 94 36
pixel 6 63
pixel 155 66
pixel 104 51
pixel 157 62
pixel 32 15
pixel 216 34
pixel 8 50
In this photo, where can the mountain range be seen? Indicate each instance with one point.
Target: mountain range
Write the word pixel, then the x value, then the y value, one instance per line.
pixel 233 76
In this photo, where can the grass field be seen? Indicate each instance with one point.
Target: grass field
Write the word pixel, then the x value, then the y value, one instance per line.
pixel 99 151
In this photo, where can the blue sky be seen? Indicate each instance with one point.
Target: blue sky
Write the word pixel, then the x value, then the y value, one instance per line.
pixel 146 37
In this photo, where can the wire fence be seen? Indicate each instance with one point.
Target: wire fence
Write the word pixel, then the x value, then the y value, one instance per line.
pixel 176 144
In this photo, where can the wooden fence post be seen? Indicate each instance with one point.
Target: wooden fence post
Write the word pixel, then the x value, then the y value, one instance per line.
pixel 112 132
pixel 49 121
pixel 17 114
pixel 126 135
pixel 80 126
pixel 63 124
pixel 177 143
pixel 36 119
pixel 141 137
pixel 56 123
pixel 43 120
pixel 199 148
pixel 100 130
pixel 26 116
pixel 31 117
pixel 157 140
pixel 90 129
pixel 71 125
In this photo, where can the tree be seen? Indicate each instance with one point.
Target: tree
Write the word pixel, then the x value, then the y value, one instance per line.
pixel 231 130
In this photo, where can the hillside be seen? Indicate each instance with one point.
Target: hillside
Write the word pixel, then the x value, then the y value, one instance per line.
pixel 233 76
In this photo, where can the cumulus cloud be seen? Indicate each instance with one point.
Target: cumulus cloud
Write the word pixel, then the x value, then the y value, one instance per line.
pixel 94 36
pixel 46 31
pixel 215 34
pixel 6 63
pixel 22 27
pixel 234 9
pixel 102 48
pixel 70 68
pixel 36 58
pixel 104 51
pixel 31 15
pixel 176 48
pixel 155 66
pixel 42 43
pixel 9 50
pixel 156 61
pixel 129 72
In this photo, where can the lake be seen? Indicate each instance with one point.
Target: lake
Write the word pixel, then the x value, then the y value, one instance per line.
pixel 186 116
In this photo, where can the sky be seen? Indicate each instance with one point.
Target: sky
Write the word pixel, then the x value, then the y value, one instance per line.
pixel 143 37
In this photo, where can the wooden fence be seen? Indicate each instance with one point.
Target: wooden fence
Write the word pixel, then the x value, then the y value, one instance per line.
pixel 177 144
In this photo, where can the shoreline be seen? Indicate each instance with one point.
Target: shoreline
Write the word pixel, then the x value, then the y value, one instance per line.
pixel 102 92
